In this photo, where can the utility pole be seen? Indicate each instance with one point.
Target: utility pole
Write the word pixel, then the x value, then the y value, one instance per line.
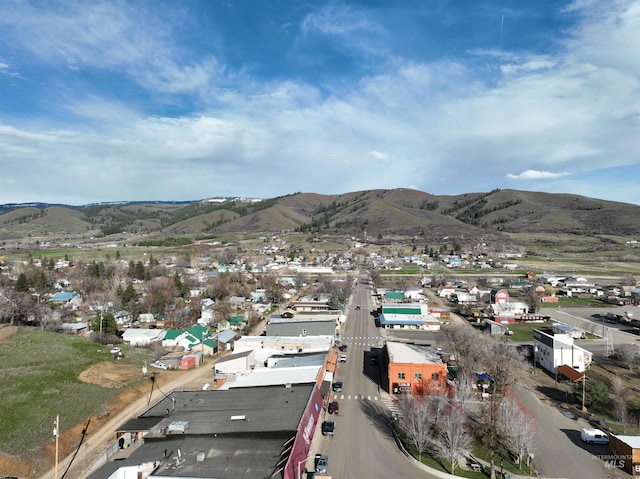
pixel 56 433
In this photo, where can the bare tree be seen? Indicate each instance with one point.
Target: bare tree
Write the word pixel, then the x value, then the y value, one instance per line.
pixel 463 392
pixel 415 422
pixel 504 365
pixel 222 311
pixel 628 355
pixel 519 428
pixel 620 398
pixel 453 439
pixel 273 289
pixel 462 340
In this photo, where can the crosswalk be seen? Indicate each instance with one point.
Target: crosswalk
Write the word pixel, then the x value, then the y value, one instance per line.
pixel 372 341
pixel 389 403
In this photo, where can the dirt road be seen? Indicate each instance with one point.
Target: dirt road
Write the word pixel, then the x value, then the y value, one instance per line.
pixel 98 441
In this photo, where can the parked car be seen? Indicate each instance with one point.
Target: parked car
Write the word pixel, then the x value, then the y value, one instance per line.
pixel 342 347
pixel 158 365
pixel 334 407
pixel 321 462
pixel 328 427
pixel 343 358
pixel 115 350
pixel 337 386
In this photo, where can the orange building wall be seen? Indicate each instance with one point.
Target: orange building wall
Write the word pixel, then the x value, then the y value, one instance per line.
pixel 417 386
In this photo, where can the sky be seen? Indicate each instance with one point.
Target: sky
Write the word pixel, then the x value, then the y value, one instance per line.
pixel 184 100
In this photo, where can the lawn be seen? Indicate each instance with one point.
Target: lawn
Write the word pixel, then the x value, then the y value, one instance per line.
pixel 39 380
pixel 524 331
pixel 478 451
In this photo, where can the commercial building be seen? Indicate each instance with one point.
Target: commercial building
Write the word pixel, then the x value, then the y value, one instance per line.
pixel 553 349
pixel 414 369
pixel 309 323
pixel 407 316
pixel 259 432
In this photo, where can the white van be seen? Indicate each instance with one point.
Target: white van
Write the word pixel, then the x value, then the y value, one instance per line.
pixel 594 436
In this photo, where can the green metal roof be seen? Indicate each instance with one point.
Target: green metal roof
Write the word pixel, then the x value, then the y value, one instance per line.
pixel 394 295
pixel 173 333
pixel 407 310
pixel 237 319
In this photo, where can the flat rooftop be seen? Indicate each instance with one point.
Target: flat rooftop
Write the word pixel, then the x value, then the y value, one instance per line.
pixel 253 410
pixel 403 353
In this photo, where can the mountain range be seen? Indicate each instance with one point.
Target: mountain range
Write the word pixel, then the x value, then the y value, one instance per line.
pixel 398 213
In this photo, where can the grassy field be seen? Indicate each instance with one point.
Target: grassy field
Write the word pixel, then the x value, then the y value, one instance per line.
pixel 39 379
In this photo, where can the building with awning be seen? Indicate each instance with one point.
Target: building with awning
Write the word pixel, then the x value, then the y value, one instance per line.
pixel 570 373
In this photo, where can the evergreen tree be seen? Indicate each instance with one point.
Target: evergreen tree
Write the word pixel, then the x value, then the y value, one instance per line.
pixel 41 283
pixel 159 303
pixel 140 270
pixel 120 293
pixel 22 284
pixel 104 322
pixel 132 269
pixel 129 297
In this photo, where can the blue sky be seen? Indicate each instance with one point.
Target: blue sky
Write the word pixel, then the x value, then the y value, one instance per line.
pixel 183 100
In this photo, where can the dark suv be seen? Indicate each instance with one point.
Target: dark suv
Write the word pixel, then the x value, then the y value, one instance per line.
pixel 328 428
pixel 337 386
pixel 334 407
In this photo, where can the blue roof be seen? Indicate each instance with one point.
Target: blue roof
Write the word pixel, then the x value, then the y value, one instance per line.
pixel 64 296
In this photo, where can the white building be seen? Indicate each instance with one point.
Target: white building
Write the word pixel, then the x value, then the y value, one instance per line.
pixel 554 350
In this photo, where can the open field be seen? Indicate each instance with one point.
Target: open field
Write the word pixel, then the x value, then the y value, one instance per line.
pixel 47 374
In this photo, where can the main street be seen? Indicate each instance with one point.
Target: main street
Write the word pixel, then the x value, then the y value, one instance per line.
pixel 363 446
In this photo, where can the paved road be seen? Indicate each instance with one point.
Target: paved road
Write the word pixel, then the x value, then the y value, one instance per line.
pixel 559 451
pixel 363 446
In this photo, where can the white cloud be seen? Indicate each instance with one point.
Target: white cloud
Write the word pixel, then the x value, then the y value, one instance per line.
pixel 535 175
pixel 444 122
pixel 340 20
pixel 378 155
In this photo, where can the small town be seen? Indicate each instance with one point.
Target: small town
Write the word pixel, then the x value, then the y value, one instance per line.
pixel 458 360
pixel 329 239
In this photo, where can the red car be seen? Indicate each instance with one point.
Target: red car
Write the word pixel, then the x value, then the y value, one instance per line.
pixel 334 407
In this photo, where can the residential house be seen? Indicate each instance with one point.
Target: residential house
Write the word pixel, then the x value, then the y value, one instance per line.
pixel 226 339
pixel 69 299
pixel 146 318
pixel 123 318
pixel 142 337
